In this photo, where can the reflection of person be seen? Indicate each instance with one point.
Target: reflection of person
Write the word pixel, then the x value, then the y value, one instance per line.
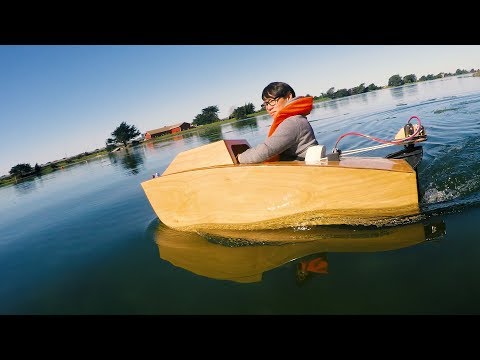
pixel 306 267
pixel 290 134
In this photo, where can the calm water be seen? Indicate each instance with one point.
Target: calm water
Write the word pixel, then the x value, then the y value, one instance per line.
pixel 85 240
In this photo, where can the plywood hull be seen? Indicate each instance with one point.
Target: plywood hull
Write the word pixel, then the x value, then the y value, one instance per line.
pixel 285 194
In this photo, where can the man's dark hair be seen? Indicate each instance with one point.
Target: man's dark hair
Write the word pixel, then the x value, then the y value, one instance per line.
pixel 277 89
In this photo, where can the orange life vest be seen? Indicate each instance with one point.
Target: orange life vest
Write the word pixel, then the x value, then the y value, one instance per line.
pixel 301 106
pixel 318 265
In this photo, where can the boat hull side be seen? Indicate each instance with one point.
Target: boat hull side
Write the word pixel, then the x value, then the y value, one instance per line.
pixel 268 196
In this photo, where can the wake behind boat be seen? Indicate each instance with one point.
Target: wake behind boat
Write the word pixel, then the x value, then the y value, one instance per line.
pixel 206 187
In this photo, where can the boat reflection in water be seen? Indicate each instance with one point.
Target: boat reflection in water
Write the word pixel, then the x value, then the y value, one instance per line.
pixel 243 256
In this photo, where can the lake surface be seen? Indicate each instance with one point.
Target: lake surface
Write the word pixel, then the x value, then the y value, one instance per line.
pixel 84 240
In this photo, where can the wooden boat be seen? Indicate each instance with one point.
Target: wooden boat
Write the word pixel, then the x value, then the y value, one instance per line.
pixel 243 256
pixel 206 188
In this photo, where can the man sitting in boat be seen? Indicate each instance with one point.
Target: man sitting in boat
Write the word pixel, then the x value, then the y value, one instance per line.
pixel 290 134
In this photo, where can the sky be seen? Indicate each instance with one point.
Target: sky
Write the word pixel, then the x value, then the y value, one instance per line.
pixel 58 101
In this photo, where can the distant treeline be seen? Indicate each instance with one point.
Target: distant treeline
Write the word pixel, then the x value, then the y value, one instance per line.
pixel 24 171
pixel 394 80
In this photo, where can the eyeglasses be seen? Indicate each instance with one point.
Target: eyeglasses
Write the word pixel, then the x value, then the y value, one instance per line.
pixel 270 102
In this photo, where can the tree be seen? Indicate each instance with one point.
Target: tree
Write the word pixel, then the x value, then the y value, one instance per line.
pixel 360 89
pixel 208 116
pixel 21 170
pixel 408 79
pixel 122 134
pixel 242 111
pixel 341 93
pixel 373 87
pixel 395 80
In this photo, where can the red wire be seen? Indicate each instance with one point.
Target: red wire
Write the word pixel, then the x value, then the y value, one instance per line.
pixel 415 133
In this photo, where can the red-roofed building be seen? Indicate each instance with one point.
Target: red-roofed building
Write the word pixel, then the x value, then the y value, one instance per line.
pixel 172 129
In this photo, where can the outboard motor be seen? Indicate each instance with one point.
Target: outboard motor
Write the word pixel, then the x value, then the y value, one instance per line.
pixel 411 153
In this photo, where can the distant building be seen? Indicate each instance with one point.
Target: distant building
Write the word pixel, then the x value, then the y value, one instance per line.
pixel 172 129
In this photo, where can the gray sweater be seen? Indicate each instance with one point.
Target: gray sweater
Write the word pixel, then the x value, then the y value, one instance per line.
pixel 291 140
